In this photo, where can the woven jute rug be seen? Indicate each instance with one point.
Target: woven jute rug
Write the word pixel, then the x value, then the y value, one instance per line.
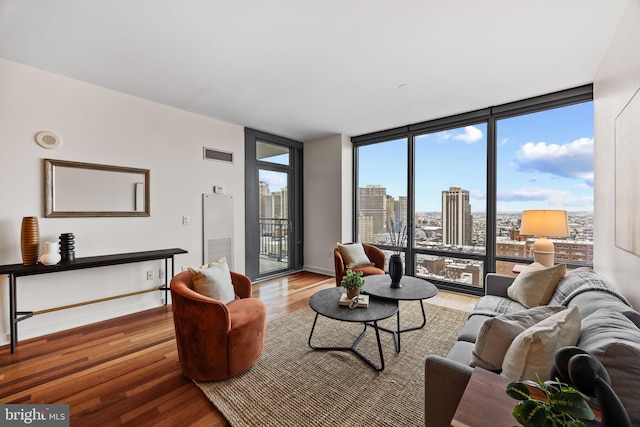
pixel 293 385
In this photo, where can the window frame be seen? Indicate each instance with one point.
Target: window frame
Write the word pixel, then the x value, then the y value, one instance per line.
pixel 489 116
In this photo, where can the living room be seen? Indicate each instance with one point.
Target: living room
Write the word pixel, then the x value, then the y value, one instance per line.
pixel 105 126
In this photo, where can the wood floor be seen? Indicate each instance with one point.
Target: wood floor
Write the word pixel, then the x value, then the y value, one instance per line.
pixel 125 371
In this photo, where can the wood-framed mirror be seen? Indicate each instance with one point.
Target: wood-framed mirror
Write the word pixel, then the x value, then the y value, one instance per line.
pixel 76 189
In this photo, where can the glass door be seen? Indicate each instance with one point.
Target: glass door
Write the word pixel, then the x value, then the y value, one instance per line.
pixel 273 225
pixel 273 220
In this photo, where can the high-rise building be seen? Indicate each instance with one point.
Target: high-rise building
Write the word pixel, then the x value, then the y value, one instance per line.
pixel 400 212
pixel 365 228
pixel 457 222
pixel 371 202
pixel 280 203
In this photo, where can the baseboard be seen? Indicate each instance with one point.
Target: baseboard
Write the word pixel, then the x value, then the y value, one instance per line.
pixel 319 270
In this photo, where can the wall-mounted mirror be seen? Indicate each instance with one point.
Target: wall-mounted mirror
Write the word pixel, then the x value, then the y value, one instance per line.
pixel 75 189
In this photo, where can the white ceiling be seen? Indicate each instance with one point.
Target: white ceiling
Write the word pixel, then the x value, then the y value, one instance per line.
pixel 306 69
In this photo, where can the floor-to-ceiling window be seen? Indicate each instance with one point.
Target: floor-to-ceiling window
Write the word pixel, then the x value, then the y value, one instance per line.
pixel 460 184
pixel 382 193
pixel 545 160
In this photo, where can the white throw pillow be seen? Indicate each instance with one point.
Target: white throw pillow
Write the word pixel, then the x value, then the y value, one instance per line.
pixel 535 285
pixel 534 350
pixel 497 333
pixel 354 256
pixel 214 281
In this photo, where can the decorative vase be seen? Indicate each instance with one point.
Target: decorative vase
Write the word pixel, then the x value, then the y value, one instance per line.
pixel 30 240
pixel 396 269
pixel 67 247
pixel 352 293
pixel 50 255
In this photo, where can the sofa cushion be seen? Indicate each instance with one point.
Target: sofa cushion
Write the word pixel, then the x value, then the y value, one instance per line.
pixel 578 282
pixel 589 302
pixel 490 305
pixel 354 256
pixel 532 352
pixel 497 333
pixel 471 328
pixel 214 280
pixel 615 341
pixel 536 284
pixel 461 352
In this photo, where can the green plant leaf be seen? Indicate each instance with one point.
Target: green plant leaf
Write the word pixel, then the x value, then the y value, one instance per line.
pixel 518 391
pixel 530 413
pixel 572 403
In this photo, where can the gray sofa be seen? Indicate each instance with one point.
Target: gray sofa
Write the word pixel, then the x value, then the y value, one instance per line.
pixel 610 330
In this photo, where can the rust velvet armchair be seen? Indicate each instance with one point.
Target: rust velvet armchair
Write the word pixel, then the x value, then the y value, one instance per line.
pixel 216 340
pixel 375 255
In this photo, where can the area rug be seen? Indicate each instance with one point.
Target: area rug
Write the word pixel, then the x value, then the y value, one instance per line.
pixel 293 385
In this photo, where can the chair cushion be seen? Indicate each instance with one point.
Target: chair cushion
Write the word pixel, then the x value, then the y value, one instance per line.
pixel 533 351
pixel 535 285
pixel 214 281
pixel 354 256
pixel 496 335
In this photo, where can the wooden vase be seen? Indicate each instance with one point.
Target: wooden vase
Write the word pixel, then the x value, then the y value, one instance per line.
pixel 30 240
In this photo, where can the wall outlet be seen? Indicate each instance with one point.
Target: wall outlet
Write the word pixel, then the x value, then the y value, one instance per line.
pixel 218 189
pixel 149 275
pixel 161 274
pixel 186 220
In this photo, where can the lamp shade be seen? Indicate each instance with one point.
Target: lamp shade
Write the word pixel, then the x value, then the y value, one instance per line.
pixel 545 223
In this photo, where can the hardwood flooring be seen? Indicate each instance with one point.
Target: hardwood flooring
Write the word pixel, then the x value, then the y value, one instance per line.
pixel 125 371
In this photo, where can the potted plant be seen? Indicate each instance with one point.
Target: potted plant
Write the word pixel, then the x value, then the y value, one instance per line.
pixel 563 405
pixel 353 283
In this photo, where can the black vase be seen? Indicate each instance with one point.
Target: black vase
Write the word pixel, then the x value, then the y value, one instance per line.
pixel 396 269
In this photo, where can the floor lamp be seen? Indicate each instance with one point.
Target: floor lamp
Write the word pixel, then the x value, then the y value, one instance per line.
pixel 544 223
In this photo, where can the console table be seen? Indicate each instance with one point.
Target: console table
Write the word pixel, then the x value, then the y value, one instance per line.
pixel 18 270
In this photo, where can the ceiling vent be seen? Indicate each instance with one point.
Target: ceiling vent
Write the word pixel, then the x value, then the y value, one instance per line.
pixel 221 156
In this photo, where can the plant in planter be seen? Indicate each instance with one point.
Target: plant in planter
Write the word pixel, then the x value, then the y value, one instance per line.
pixel 564 405
pixel 353 283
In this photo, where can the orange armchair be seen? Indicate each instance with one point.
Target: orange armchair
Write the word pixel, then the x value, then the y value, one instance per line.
pixel 374 254
pixel 215 340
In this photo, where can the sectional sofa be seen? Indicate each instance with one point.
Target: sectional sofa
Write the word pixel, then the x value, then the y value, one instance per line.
pixel 607 327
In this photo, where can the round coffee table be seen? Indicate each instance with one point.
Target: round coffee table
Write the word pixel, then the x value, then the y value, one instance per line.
pixel 412 289
pixel 325 303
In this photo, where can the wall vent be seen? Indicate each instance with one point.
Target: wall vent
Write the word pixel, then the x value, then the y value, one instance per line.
pixel 221 156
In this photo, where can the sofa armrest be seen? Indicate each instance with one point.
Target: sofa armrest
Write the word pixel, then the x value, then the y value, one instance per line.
pixel 444 384
pixel 497 284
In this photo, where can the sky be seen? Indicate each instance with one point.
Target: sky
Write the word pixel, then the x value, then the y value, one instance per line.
pixel 545 161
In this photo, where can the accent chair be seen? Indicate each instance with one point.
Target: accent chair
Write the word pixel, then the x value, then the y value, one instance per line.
pixel 217 341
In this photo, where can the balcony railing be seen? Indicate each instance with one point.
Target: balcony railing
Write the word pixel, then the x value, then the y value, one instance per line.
pixel 274 233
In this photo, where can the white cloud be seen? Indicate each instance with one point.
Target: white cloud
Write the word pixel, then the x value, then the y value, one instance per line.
pixel 560 199
pixel 471 134
pixel 572 160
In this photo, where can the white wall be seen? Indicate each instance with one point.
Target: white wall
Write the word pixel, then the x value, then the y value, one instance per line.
pixel 327 200
pixel 102 126
pixel 618 78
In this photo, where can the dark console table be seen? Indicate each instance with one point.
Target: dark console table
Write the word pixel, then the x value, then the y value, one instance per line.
pixel 18 270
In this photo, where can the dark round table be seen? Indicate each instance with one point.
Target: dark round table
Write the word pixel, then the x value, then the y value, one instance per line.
pixel 412 289
pixel 325 303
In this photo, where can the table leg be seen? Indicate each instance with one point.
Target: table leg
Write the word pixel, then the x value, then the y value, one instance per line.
pixel 13 320
pixel 396 333
pixel 353 348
